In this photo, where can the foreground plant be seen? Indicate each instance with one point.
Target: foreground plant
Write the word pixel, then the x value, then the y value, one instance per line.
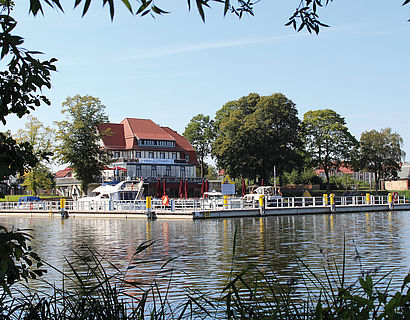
pixel 104 291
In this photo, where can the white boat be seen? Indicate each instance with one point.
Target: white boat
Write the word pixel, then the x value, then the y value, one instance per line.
pixel 124 190
pixel 270 193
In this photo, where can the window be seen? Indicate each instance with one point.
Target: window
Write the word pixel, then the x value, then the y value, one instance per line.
pixel 153 171
pixel 187 157
pixel 138 171
pixel 182 171
pixel 151 154
pixel 174 155
pixel 162 155
pixel 138 154
pixel 116 154
pixel 168 171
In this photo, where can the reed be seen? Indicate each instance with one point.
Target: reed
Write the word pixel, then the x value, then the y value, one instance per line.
pixel 103 291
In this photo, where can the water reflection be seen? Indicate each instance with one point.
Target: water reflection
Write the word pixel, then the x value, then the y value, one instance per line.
pixel 204 248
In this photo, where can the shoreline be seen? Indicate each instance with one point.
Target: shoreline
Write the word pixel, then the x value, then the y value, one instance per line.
pixel 214 214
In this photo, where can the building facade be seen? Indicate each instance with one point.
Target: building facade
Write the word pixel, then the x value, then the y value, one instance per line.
pixel 140 148
pixel 403 179
pixel 365 176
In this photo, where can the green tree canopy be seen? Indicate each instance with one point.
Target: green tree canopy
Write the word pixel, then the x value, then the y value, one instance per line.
pixel 37 178
pixel 327 139
pixel 15 157
pixel 39 136
pixel 199 132
pixel 79 138
pixel 254 134
pixel 381 152
pixel 42 139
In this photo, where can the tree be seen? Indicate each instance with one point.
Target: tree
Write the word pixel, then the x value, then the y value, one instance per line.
pixel 255 134
pixel 199 132
pixel 381 152
pixel 305 16
pixel 41 138
pixel 20 83
pixel 15 157
pixel 37 178
pixel 327 139
pixel 79 138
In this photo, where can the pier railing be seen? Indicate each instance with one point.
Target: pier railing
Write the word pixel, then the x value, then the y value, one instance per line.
pixel 191 205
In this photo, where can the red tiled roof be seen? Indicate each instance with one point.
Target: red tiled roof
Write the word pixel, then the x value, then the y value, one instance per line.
pixel 63 173
pixel 114 139
pixel 180 141
pixel 125 134
pixel 144 129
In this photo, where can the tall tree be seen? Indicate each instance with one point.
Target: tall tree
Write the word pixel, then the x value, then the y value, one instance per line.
pixel 41 138
pixel 199 132
pixel 381 152
pixel 255 134
pixel 79 138
pixel 328 141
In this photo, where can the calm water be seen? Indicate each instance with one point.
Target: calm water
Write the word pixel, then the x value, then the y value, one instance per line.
pixel 203 248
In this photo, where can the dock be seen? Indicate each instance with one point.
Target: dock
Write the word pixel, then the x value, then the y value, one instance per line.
pixel 207 208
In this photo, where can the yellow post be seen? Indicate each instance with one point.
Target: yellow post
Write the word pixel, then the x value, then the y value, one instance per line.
pixel 225 201
pixel 148 204
pixel 390 201
pixel 261 200
pixel 332 203
pixel 367 198
pixel 325 199
pixel 62 203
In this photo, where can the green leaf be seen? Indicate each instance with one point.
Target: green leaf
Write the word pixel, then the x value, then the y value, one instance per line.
pixel 127 4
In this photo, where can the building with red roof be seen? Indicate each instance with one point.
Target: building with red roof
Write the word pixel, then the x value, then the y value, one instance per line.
pixel 141 148
pixel 363 175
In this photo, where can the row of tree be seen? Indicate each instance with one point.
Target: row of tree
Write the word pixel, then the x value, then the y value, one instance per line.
pixel 251 136
pixel 75 141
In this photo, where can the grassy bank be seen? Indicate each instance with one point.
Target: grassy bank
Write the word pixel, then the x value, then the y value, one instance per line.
pixel 17 197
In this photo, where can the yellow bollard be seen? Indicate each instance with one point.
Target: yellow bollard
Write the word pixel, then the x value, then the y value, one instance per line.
pixel 62 203
pixel 148 202
pixel 261 200
pixel 225 201
pixel 390 201
pixel 325 199
pixel 367 198
pixel 332 203
pixel 261 205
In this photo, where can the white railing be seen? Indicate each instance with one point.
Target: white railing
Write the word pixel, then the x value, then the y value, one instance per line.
pixel 190 205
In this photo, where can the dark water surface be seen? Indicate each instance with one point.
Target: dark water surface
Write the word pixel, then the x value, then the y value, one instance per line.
pixel 203 248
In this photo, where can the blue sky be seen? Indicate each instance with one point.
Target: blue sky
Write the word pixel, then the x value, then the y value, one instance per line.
pixel 173 67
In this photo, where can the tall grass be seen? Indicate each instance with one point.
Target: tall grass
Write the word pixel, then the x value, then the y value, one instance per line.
pixel 104 291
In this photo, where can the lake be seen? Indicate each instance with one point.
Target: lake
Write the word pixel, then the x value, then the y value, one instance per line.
pixel 203 249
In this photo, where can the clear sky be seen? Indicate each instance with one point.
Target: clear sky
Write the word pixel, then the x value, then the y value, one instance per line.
pixel 173 67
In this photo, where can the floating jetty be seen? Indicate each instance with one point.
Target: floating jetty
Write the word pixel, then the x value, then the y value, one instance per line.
pixel 228 207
